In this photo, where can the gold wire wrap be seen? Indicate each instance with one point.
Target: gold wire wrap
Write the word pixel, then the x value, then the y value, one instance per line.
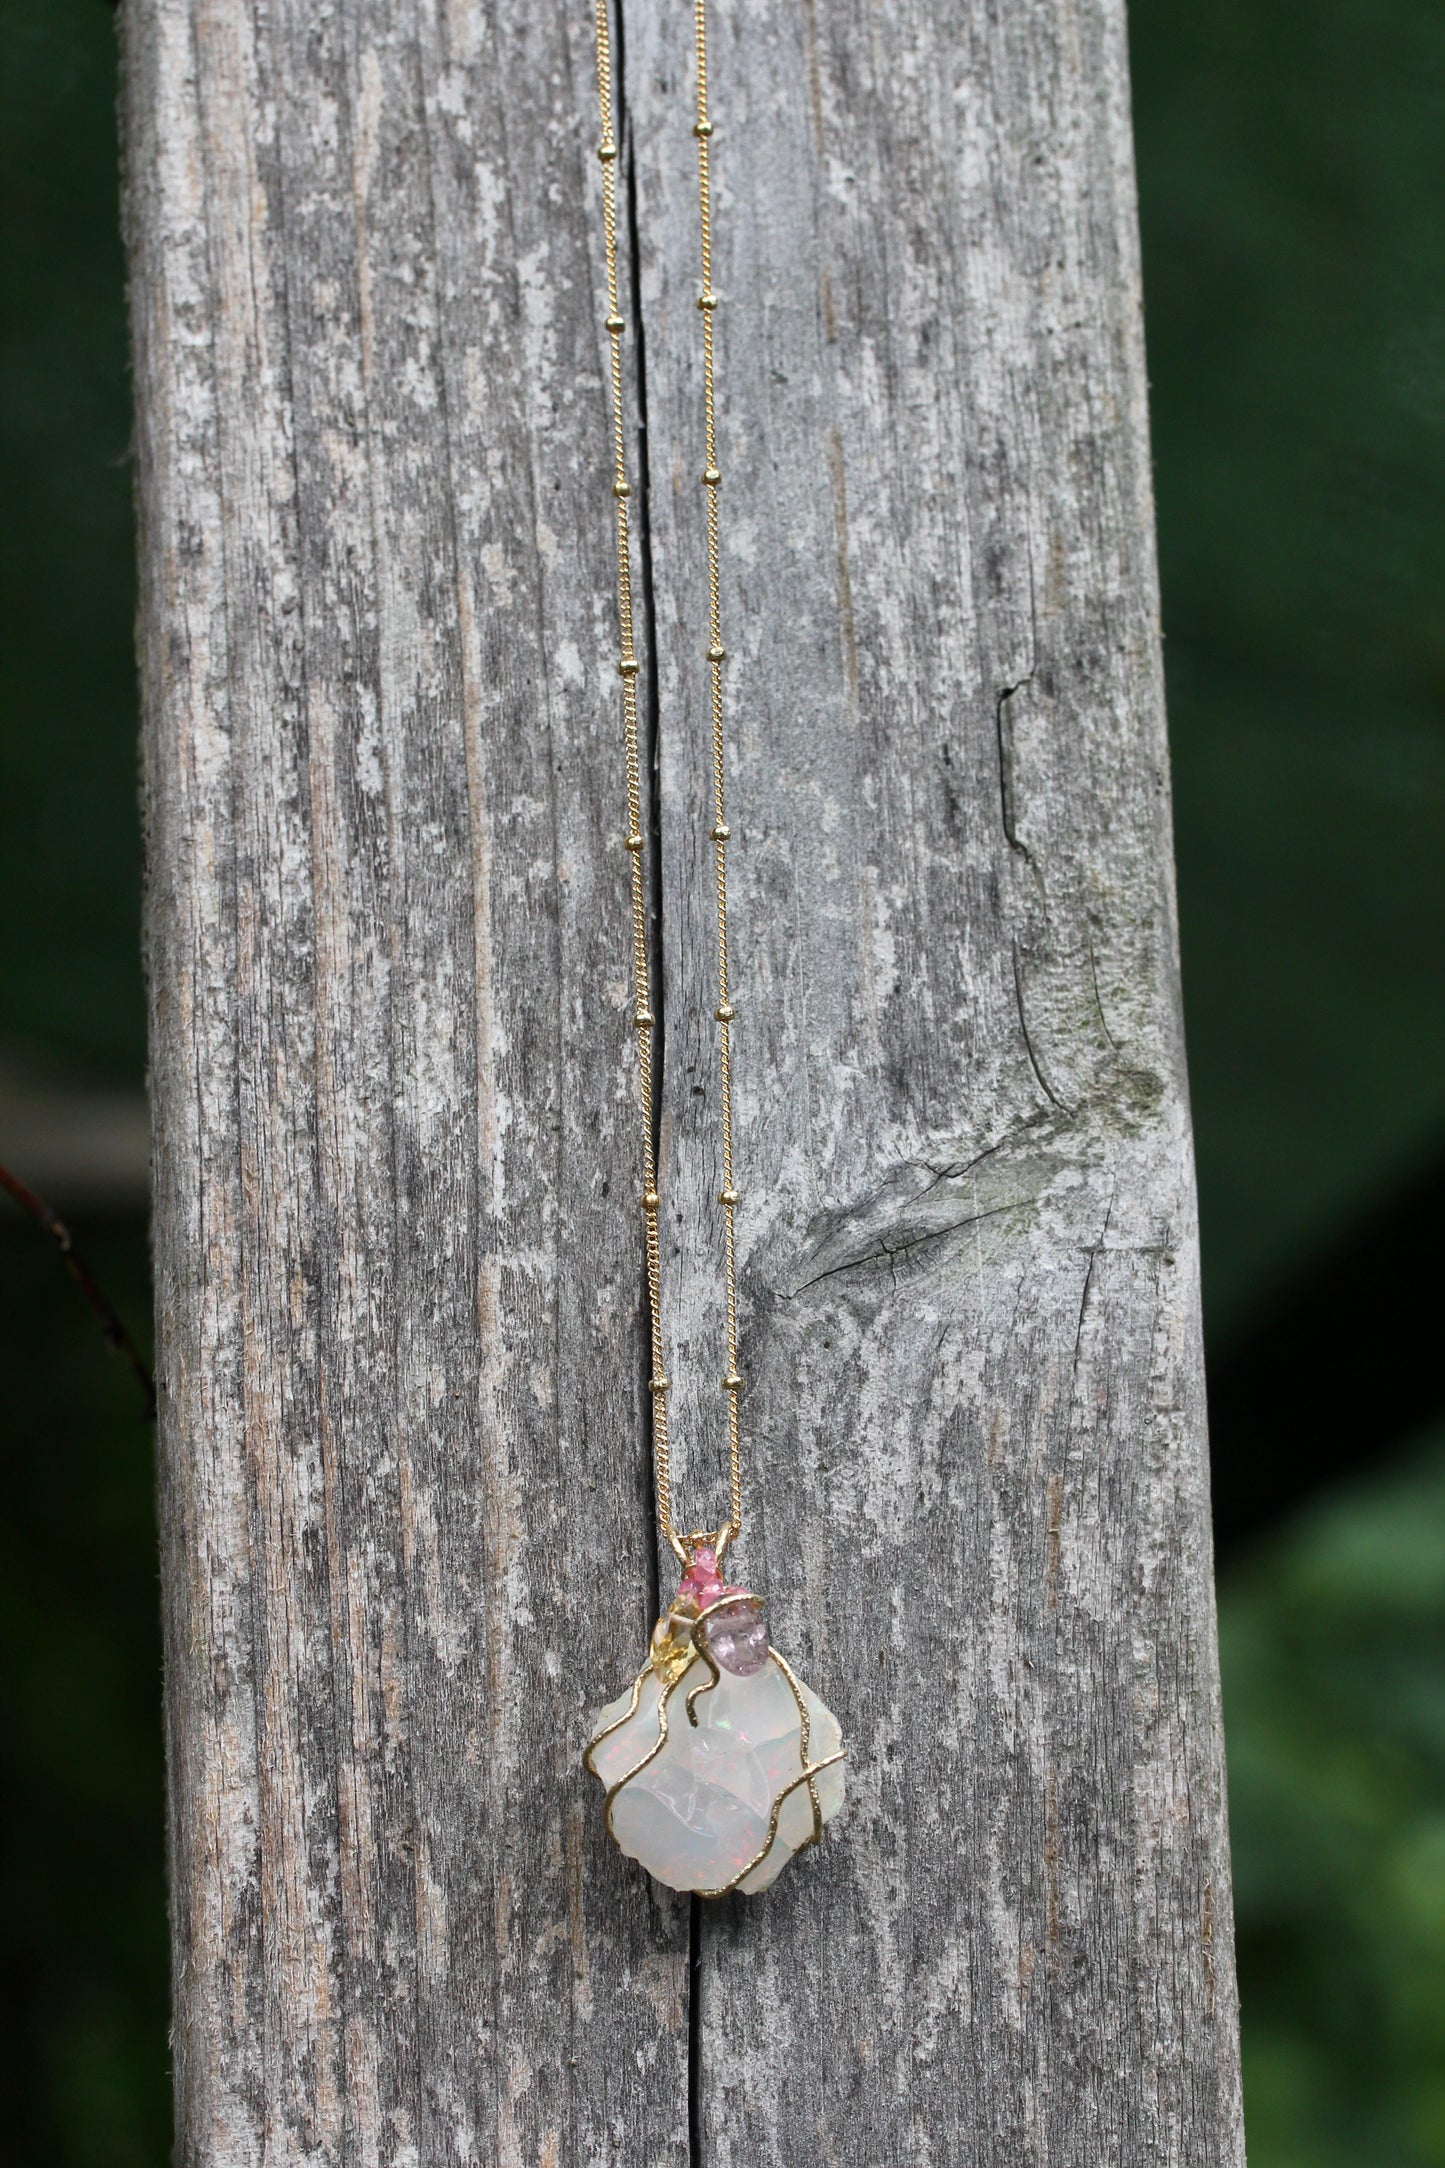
pixel 808 1772
pixel 719 833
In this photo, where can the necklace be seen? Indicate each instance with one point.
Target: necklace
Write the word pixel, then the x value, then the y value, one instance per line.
pixel 718 1763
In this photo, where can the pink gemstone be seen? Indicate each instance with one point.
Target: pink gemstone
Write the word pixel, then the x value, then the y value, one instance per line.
pixel 702 1581
pixel 737 1638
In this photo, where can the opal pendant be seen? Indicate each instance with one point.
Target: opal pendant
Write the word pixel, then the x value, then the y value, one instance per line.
pixel 719 1764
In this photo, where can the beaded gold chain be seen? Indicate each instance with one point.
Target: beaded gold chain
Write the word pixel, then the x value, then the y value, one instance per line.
pixel 628 667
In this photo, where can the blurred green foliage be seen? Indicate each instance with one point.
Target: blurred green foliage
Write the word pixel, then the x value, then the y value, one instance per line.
pixel 70 985
pixel 1333 1639
pixel 82 1892
pixel 82 1888
pixel 1291 158
pixel 1292 175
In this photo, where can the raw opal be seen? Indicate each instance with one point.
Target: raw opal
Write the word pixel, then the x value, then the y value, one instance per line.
pixel 700 1810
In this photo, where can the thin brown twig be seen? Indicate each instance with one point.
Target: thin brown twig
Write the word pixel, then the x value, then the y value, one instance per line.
pixel 106 1315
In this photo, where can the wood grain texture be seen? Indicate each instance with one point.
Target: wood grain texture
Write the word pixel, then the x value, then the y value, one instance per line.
pixel 405 1503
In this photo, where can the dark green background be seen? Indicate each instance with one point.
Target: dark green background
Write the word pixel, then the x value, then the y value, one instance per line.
pixel 1292 178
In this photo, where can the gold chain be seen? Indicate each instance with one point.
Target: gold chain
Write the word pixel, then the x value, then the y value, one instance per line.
pixel 628 667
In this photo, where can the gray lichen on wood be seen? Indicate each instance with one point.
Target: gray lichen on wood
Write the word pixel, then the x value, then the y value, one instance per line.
pixel 406 1521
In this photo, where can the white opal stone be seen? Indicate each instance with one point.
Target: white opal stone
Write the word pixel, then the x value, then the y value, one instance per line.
pixel 700 1810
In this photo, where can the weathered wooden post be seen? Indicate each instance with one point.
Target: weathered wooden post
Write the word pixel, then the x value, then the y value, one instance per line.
pixel 407 1536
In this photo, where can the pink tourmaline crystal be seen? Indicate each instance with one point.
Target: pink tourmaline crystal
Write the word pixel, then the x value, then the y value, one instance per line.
pixel 736 1638
pixel 702 1581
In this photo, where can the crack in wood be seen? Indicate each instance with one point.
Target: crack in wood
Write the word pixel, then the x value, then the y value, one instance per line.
pixel 405 1520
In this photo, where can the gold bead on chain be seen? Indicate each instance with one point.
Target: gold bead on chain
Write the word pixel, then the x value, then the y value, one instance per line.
pixel 719 833
pixel 716 1717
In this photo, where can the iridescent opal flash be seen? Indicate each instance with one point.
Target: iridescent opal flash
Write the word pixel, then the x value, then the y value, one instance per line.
pixel 719 1763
